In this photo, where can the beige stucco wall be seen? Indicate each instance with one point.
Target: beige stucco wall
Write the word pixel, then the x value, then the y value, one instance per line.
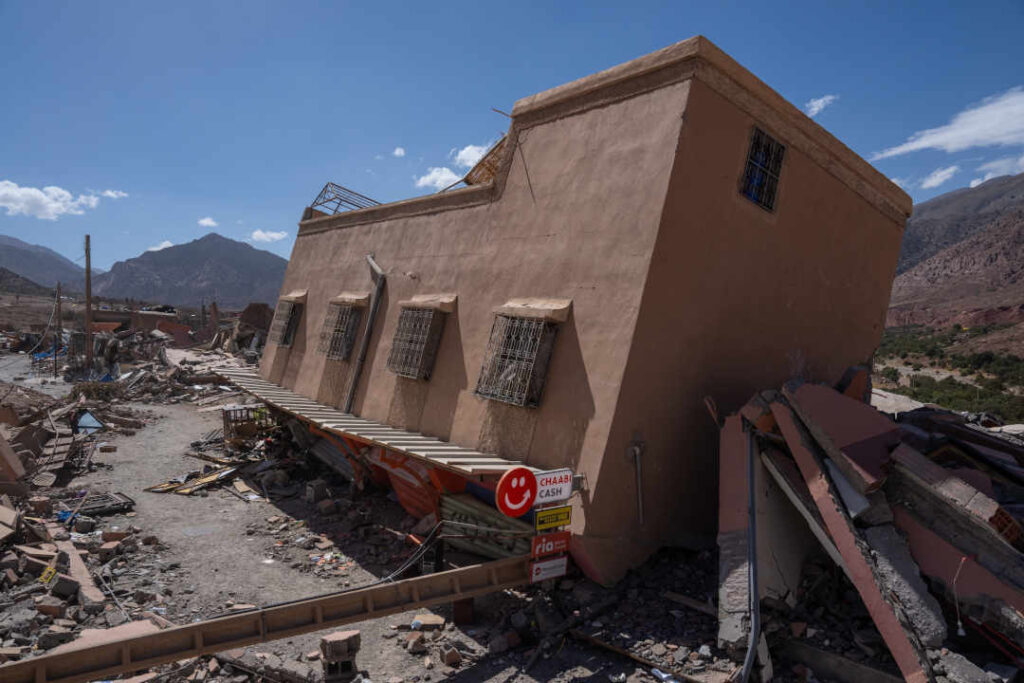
pixel 581 227
pixel 739 299
pixel 621 193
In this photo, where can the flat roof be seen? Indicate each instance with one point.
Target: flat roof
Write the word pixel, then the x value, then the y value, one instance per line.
pixel 695 57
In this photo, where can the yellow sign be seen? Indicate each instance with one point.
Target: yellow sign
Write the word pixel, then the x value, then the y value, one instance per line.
pixel 550 518
pixel 48 574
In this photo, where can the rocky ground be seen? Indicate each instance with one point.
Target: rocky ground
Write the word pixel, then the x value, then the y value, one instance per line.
pixel 186 558
pixel 176 559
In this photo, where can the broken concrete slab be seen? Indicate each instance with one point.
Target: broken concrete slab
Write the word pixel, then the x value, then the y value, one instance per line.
pixel 972 505
pixel 733 532
pixel 897 633
pixel 857 437
pixel 900 574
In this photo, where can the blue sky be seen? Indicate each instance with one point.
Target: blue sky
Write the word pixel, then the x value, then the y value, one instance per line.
pixel 136 121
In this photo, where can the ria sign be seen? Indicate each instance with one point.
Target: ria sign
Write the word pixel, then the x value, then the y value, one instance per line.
pixel 549 544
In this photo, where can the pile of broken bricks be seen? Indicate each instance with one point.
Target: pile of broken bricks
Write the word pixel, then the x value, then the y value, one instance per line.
pixel 921 512
pixel 60 582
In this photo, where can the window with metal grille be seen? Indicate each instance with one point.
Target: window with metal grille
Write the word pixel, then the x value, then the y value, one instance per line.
pixel 416 340
pixel 760 180
pixel 338 334
pixel 285 324
pixel 516 361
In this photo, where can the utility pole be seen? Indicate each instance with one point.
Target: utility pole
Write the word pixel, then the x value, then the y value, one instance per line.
pixel 88 309
pixel 58 336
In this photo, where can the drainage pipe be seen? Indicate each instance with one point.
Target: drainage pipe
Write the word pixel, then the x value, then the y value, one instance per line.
pixel 379 278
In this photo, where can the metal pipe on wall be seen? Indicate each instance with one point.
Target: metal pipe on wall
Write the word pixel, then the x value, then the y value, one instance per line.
pixel 379 278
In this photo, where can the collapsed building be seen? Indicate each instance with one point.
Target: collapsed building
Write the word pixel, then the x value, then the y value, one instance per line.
pixel 666 232
pixel 629 268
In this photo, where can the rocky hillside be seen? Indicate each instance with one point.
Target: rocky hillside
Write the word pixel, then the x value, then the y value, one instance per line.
pixel 12 283
pixel 979 280
pixel 212 268
pixel 40 265
pixel 951 218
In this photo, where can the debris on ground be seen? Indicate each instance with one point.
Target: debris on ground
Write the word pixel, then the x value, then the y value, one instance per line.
pixel 896 541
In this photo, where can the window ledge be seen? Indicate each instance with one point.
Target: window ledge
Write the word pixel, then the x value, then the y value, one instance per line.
pixel 552 310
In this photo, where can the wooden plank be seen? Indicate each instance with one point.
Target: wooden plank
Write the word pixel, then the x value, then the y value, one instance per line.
pixel 103 660
pixel 832 666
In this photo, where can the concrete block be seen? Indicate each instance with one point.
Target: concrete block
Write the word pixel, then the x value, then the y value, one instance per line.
pixel 9 560
pixel 340 645
pixel 316 490
pixel 108 550
pixel 10 577
pixel 64 586
pixel 40 505
pixel 427 622
pixel 51 605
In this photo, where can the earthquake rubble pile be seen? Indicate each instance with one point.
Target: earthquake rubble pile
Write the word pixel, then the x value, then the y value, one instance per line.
pixel 17 341
pixel 111 352
pixel 43 440
pixel 20 405
pixel 916 533
pixel 69 573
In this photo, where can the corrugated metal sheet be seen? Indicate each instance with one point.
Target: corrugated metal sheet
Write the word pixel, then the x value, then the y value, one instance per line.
pixel 334 458
pixel 410 479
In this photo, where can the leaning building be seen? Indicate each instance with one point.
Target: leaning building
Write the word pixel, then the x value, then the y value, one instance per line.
pixel 647 242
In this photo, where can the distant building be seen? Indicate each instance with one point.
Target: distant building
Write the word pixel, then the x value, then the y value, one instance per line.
pixel 667 231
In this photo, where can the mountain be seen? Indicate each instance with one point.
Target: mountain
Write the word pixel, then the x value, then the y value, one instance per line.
pixel 951 218
pixel 39 264
pixel 979 278
pixel 211 268
pixel 12 283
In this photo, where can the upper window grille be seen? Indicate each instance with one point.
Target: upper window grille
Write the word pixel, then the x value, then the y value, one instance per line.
pixel 417 337
pixel 760 181
pixel 338 334
pixel 285 324
pixel 516 360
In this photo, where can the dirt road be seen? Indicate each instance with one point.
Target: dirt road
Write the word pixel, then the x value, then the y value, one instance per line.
pixel 217 550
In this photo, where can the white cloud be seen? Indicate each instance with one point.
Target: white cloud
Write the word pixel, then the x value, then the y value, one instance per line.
pixel 114 194
pixel 939 176
pixel 399 152
pixel 267 236
pixel 902 182
pixel 438 178
pixel 816 105
pixel 996 121
pixel 162 245
pixel 48 203
pixel 207 222
pixel 468 156
pixel 999 167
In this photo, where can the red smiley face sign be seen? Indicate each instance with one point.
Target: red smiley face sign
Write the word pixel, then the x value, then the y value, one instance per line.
pixel 516 492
